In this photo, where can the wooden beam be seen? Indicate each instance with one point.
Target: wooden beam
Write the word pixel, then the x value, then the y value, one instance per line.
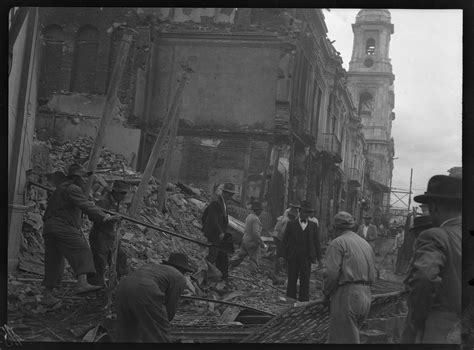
pixel 107 116
pixel 155 152
pixel 265 170
pixel 165 171
pixel 245 184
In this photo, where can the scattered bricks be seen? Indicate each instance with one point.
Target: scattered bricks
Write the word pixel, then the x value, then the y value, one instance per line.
pixel 373 336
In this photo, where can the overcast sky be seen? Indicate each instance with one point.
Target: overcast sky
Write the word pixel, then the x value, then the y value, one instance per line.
pixel 426 54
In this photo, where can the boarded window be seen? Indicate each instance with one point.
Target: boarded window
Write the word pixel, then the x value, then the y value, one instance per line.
pixel 51 62
pixel 370 47
pixel 85 60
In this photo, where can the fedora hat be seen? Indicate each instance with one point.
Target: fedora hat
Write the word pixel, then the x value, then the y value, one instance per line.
pixel 120 186
pixel 306 206
pixel 294 205
pixel 442 187
pixel 179 260
pixel 76 169
pixel 367 216
pixel 421 221
pixel 344 220
pixel 229 187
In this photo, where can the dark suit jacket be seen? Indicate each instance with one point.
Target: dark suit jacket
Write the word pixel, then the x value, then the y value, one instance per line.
pixel 371 232
pixel 215 220
pixel 299 244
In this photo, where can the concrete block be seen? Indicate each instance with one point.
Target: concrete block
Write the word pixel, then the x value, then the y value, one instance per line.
pixel 75 104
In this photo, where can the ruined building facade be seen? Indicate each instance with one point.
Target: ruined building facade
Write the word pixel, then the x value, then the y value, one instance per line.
pixel 370 80
pixel 268 107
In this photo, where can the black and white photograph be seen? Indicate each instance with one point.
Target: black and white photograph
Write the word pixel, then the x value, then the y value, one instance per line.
pixel 236 175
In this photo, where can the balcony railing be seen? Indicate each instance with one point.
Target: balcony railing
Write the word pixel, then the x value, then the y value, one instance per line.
pixel 354 177
pixel 331 143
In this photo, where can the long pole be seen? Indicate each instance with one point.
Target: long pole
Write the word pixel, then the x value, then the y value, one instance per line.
pixel 155 152
pixel 117 73
pixel 409 192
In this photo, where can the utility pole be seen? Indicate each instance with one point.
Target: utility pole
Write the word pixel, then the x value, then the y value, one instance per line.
pixel 409 191
pixel 117 73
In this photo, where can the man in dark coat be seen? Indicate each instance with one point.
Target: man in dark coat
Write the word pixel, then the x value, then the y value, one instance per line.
pixel 434 278
pixel 62 233
pixel 301 247
pixel 101 237
pixel 214 226
pixel 147 300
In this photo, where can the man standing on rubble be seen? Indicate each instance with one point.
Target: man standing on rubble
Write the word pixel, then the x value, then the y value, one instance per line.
pixel 301 247
pixel 102 235
pixel 434 279
pixel 350 271
pixel 62 233
pixel 290 214
pixel 368 231
pixel 214 226
pixel 147 300
pixel 252 240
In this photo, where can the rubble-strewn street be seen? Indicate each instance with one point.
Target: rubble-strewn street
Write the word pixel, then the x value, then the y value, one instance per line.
pixel 203 175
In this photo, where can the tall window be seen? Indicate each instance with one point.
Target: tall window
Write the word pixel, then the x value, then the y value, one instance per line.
pixel 51 62
pixel 370 47
pixel 85 60
pixel 366 104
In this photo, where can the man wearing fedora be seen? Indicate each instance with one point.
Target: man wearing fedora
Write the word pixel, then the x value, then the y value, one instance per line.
pixel 434 279
pixel 214 226
pixel 102 235
pixel 147 300
pixel 368 231
pixel 301 247
pixel 62 233
pixel 252 240
pixel 350 271
pixel 420 223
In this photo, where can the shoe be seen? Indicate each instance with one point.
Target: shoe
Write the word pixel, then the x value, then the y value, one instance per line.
pixel 86 289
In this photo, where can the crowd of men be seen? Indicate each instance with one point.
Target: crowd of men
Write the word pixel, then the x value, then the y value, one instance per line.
pixel 147 299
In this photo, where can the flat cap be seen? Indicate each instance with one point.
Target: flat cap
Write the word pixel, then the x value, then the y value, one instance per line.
pixel 344 220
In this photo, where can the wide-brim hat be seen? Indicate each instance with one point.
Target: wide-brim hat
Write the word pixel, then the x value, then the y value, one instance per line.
pixel 229 187
pixel 421 221
pixel 344 220
pixel 306 206
pixel 367 216
pixel 179 260
pixel 294 205
pixel 442 187
pixel 76 169
pixel 120 186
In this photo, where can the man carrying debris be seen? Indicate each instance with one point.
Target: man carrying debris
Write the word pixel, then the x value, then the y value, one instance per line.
pixel 251 241
pixel 147 300
pixel 290 214
pixel 301 247
pixel 368 231
pixel 214 226
pixel 101 237
pixel 62 233
pixel 434 279
pixel 350 271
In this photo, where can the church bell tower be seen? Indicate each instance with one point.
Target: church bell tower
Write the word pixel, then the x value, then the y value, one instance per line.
pixel 370 80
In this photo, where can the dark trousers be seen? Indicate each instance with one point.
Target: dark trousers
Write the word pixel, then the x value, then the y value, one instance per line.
pixel 298 269
pixel 220 259
pixel 71 245
pixel 141 313
pixel 102 247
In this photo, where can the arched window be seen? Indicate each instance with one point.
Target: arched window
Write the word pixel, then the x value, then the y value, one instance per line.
pixel 366 104
pixel 85 60
pixel 370 47
pixel 51 62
